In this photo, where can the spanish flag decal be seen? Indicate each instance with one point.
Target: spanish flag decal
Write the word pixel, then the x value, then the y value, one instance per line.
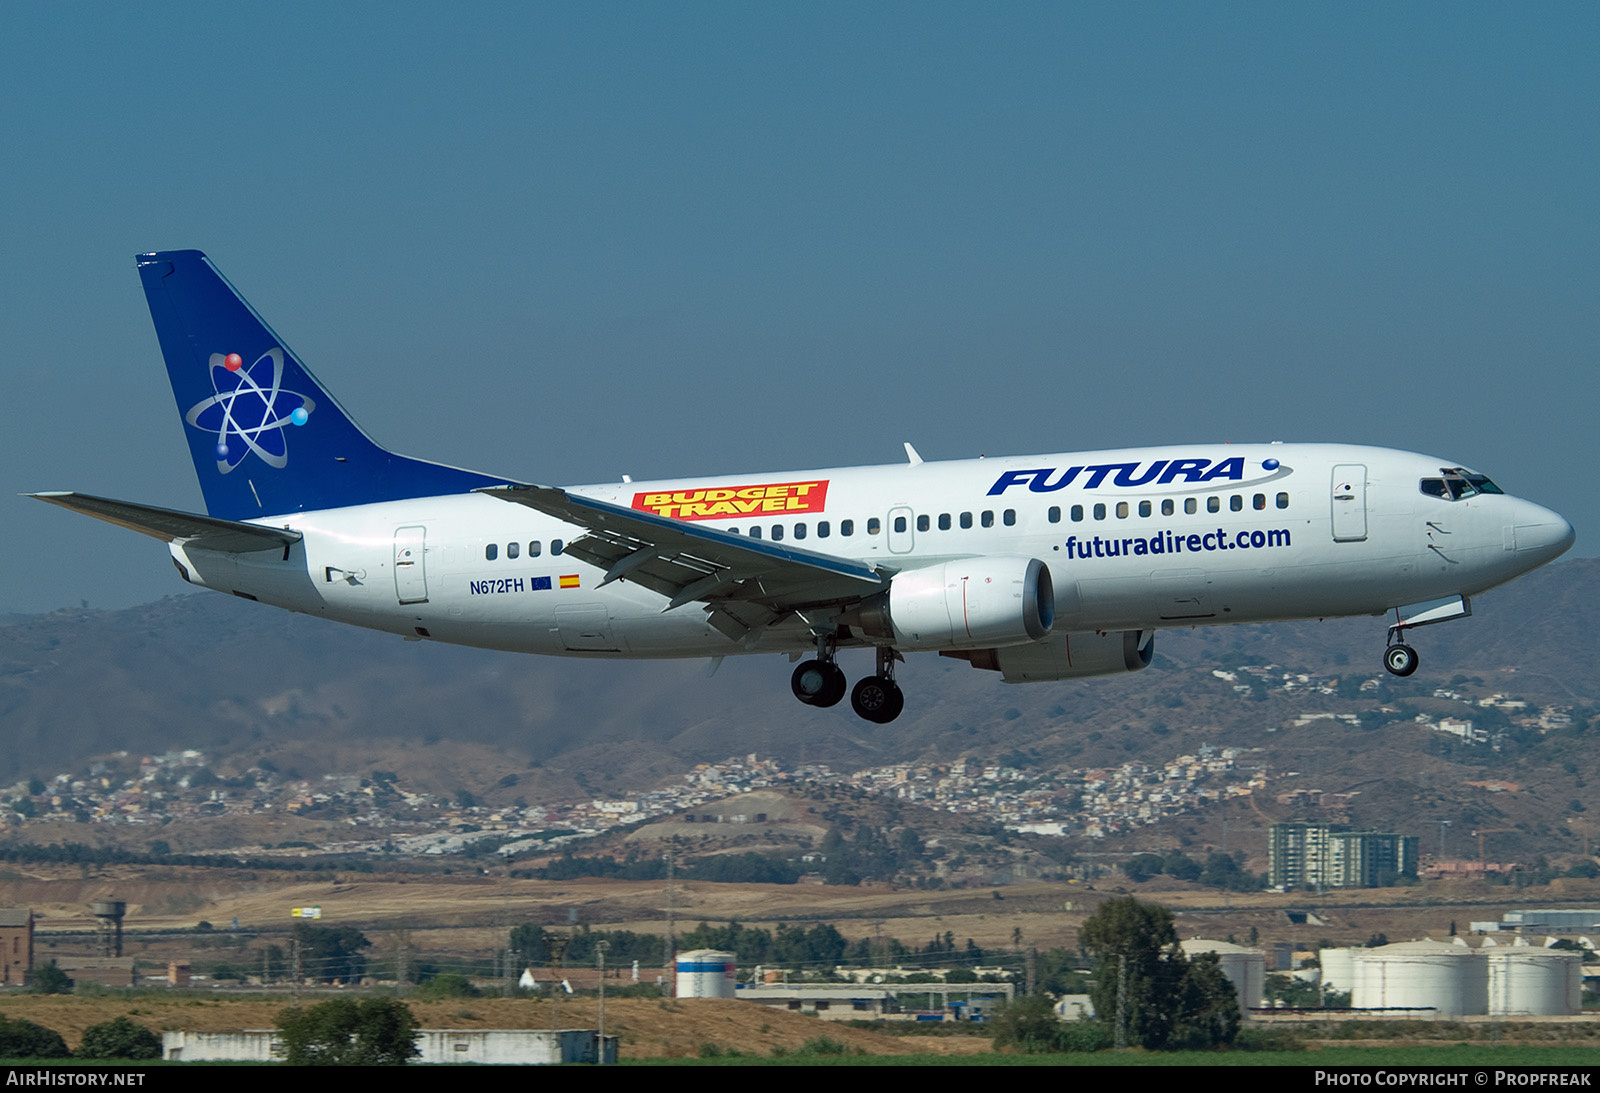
pixel 569 580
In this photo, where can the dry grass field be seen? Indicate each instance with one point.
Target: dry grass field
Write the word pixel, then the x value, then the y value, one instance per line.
pixel 467 912
pixel 649 1028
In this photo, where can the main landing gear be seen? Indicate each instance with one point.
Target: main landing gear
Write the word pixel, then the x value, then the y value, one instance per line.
pixel 878 698
pixel 821 682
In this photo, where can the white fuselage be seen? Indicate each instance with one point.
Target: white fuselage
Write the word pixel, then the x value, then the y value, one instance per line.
pixel 1134 539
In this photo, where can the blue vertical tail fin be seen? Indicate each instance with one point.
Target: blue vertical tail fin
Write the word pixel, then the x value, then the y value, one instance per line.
pixel 265 436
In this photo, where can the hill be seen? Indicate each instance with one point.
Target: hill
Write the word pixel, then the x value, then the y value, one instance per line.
pixel 245 684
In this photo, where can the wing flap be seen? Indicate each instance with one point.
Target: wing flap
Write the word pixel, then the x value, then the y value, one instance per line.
pixel 169 525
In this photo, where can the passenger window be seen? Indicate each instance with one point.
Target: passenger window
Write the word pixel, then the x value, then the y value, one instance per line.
pixel 944 521
pixel 1009 518
pixel 777 533
pixel 1122 510
pixel 922 523
pixel 988 518
pixel 823 529
pixel 874 525
pixel 1099 512
pixel 966 519
pixel 755 533
pixel 535 549
pixel 555 546
pixel 513 549
pixel 1259 501
pixel 1077 514
pixel 492 551
pixel 1283 500
pixel 899 524
pixel 1213 504
pixel 799 531
pixel 1144 508
pixel 733 531
pixel 1054 514
pixel 1236 503
pixel 1190 506
pixel 847 528
pixel 1166 507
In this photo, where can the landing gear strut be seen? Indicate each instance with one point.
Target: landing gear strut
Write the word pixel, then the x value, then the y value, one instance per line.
pixel 878 698
pixel 819 682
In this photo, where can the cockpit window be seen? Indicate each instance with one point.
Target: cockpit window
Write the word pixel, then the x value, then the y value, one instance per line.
pixel 1457 484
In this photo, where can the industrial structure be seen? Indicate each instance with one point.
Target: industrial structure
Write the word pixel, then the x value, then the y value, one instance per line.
pixel 1245 968
pixel 16 947
pixel 1452 979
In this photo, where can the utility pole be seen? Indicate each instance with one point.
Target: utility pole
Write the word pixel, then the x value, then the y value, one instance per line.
pixel 672 929
pixel 1122 1002
pixel 600 948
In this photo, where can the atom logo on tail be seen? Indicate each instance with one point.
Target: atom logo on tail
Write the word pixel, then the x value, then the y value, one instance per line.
pixel 249 411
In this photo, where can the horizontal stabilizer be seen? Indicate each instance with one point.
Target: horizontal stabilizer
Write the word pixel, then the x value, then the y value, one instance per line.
pixel 207 532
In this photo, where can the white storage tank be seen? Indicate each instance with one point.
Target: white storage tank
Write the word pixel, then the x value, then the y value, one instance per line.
pixel 1452 980
pixel 1535 982
pixel 1338 970
pixel 1245 968
pixel 706 973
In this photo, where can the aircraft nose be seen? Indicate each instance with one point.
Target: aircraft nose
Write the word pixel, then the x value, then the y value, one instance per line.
pixel 1540 534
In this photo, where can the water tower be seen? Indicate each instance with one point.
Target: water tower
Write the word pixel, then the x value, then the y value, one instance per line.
pixel 109 912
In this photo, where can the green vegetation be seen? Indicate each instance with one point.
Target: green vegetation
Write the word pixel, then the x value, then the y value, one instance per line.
pixel 444 986
pixel 344 1032
pixel 119 1038
pixel 20 1039
pixel 329 953
pixel 1148 989
pixel 49 979
pixel 1219 871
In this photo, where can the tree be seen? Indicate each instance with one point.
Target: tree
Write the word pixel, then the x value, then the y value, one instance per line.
pixel 1028 1023
pixel 328 953
pixel 1168 1002
pixel 119 1038
pixel 445 985
pixel 49 979
pixel 344 1032
pixel 21 1039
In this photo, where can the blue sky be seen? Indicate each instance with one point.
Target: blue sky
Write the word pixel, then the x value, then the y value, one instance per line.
pixel 568 242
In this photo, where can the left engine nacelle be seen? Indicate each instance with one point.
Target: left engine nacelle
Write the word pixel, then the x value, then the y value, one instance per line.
pixel 974 603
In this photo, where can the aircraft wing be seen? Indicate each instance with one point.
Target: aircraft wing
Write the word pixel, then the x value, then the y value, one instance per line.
pixel 745 583
pixel 168 525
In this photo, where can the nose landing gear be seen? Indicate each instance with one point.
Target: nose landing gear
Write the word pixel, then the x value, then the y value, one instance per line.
pixel 1400 658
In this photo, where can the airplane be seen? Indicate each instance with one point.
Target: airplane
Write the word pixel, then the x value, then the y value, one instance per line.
pixel 1039 568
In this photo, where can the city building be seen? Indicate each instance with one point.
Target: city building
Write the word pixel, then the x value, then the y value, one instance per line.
pixel 1305 855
